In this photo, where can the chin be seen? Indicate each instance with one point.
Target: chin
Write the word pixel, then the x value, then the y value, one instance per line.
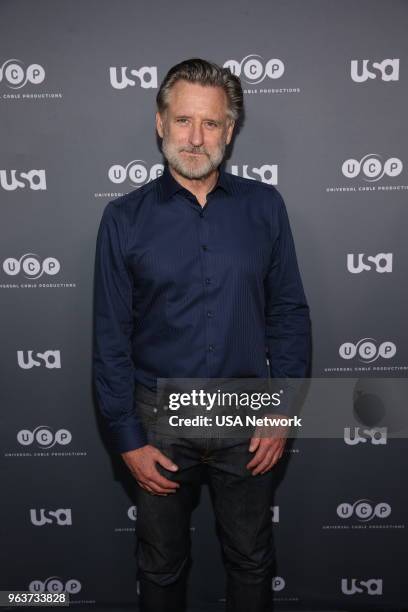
pixel 193 172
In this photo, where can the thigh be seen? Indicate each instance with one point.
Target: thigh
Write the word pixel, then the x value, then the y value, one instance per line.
pixel 166 518
pixel 242 502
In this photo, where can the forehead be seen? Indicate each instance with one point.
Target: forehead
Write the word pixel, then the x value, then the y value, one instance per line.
pixel 187 98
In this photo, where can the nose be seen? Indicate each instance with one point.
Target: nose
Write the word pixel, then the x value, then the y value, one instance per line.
pixel 196 134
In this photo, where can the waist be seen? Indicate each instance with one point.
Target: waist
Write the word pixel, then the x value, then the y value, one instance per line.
pixel 145 395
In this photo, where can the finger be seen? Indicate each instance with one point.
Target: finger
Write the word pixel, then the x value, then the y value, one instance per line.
pixel 268 467
pixel 275 458
pixel 254 443
pixel 277 455
pixel 146 487
pixel 262 465
pixel 160 480
pixel 152 492
pixel 258 457
pixel 160 490
pixel 165 462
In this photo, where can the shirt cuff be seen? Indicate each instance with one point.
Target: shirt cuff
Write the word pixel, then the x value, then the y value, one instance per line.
pixel 127 437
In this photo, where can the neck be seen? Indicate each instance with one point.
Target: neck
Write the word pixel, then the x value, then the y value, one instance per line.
pixel 198 187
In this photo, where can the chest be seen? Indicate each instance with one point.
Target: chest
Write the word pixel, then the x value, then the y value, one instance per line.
pixel 183 245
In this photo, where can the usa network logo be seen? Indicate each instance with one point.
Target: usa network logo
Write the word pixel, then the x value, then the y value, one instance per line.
pixel 370 586
pixel 364 70
pixel 61 517
pixel 371 172
pixel 49 359
pixel 266 173
pixel 10 180
pixel 363 435
pixel 360 262
pixel 122 77
pixel 16 75
pixel 259 73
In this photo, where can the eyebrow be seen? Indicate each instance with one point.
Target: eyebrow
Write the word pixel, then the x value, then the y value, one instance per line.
pixel 217 121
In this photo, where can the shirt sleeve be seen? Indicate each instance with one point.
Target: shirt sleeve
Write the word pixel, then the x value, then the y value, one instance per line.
pixel 113 368
pixel 288 328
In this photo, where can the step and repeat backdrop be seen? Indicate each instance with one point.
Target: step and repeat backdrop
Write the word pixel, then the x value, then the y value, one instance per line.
pixel 326 87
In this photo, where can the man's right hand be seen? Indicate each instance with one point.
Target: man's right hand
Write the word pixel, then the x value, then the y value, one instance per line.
pixel 142 463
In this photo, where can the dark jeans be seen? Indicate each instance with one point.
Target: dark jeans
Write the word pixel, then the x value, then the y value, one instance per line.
pixel 242 509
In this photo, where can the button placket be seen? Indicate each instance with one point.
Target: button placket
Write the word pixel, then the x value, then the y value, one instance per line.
pixel 205 254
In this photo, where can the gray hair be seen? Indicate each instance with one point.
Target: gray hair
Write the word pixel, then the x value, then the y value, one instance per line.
pixel 197 70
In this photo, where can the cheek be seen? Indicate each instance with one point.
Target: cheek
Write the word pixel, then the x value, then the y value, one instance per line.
pixel 178 137
pixel 214 141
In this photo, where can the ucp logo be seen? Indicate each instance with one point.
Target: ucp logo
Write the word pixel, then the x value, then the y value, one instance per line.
pixel 54 584
pixel 254 69
pixel 136 172
pixel 367 350
pixel 278 583
pixel 15 75
pixel 31 265
pixel 44 436
pixel 364 510
pixel 371 167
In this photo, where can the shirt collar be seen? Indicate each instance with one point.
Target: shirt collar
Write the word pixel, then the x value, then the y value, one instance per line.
pixel 169 186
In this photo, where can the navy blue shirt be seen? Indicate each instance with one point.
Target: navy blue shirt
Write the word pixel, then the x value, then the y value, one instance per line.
pixel 183 291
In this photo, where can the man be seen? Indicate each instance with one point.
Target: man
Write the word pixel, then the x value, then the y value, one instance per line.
pixel 196 277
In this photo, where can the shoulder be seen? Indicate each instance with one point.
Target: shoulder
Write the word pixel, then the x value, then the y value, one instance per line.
pixel 257 193
pixel 126 205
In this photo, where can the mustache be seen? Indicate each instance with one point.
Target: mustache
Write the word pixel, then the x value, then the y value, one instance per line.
pixel 193 149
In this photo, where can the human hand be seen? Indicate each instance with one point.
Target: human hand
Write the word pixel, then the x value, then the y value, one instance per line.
pixel 269 443
pixel 142 464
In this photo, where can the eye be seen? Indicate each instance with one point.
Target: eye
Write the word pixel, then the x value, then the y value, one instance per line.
pixel 211 124
pixel 182 120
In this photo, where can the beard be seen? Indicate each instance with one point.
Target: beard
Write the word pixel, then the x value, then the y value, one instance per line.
pixel 194 166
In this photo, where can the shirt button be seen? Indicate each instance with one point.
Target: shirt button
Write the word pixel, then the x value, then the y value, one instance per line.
pixel 201 214
pixel 210 313
pixel 207 281
pixel 204 247
pixel 211 347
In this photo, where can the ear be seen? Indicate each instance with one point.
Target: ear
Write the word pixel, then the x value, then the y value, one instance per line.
pixel 159 124
pixel 230 130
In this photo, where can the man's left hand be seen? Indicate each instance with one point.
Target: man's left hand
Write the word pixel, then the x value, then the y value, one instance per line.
pixel 269 443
